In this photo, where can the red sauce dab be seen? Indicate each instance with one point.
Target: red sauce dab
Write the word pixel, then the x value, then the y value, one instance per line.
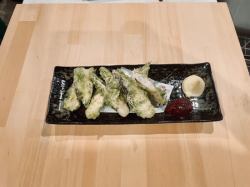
pixel 179 107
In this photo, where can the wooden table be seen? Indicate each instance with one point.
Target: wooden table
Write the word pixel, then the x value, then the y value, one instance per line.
pixel 40 37
pixel 112 1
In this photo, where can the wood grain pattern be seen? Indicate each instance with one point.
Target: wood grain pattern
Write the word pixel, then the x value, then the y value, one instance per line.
pixel 10 71
pixel 33 153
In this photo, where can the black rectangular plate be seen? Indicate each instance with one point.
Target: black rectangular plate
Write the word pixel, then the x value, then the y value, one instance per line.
pixel 206 107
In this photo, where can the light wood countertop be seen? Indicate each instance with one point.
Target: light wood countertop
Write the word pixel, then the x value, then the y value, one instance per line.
pixel 40 37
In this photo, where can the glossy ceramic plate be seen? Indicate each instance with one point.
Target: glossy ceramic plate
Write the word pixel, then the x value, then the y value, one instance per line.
pixel 206 108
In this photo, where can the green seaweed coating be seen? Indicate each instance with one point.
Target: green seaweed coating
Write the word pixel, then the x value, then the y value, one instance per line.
pixel 98 100
pixel 96 103
pixel 141 76
pixel 113 95
pixel 71 102
pixel 136 97
pixel 83 84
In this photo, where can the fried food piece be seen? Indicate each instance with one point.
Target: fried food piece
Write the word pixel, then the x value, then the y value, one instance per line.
pixel 144 70
pixel 98 83
pixel 120 105
pixel 113 95
pixel 97 101
pixel 136 97
pixel 83 84
pixel 109 78
pixel 71 102
pixel 156 94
